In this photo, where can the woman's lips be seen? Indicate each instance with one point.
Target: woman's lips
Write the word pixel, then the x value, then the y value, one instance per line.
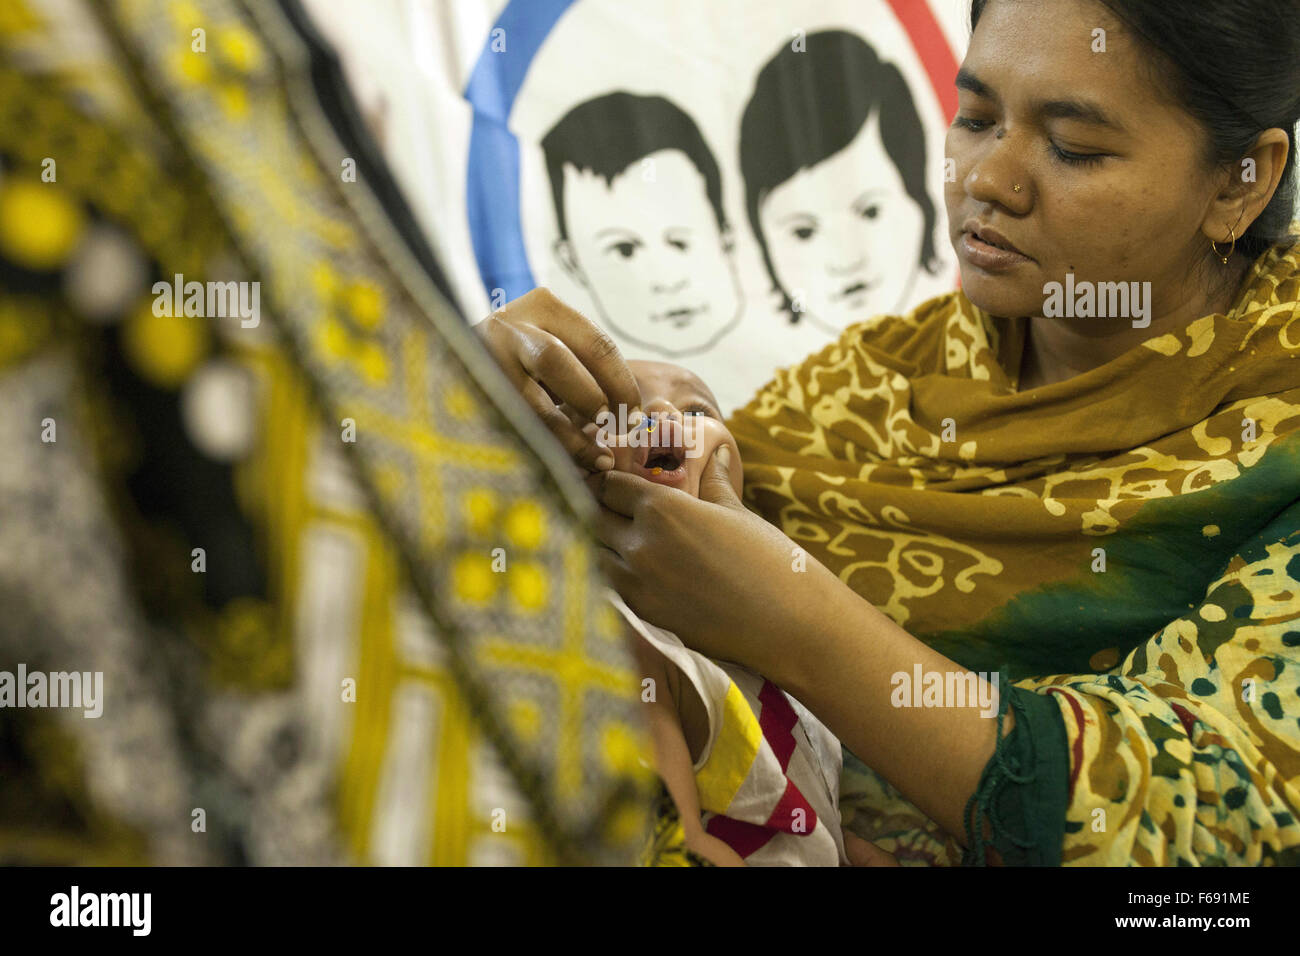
pixel 991 258
pixel 986 248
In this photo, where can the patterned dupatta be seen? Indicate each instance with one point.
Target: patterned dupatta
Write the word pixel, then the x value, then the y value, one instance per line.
pixel 904 458
pixel 1127 540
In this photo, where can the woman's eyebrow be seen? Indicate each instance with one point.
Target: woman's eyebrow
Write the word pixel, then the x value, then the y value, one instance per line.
pixel 1081 111
pixel 966 80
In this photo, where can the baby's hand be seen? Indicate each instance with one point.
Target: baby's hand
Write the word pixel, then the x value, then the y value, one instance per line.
pixel 712 849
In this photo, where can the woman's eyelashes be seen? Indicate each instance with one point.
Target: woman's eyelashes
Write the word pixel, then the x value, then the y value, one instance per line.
pixel 1066 156
pixel 1077 159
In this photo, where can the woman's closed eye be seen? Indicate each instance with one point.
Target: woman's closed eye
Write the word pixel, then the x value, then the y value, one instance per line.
pixel 971 123
pixel 1077 159
pixel 1069 157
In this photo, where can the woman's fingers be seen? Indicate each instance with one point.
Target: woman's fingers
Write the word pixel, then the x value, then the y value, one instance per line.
pixel 623 493
pixel 582 449
pixel 595 351
pixel 565 367
pixel 614 532
pixel 550 363
pixel 865 853
pixel 619 576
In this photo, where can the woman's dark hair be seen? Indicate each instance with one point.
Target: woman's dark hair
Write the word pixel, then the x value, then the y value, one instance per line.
pixel 1235 66
pixel 809 104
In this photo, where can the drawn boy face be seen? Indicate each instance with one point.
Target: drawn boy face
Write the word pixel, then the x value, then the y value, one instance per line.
pixel 845 255
pixel 649 250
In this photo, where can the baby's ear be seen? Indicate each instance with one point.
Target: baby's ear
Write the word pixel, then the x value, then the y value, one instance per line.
pixel 568 259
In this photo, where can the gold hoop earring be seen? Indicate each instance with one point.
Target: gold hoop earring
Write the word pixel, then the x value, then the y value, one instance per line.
pixel 1224 258
pixel 1016 188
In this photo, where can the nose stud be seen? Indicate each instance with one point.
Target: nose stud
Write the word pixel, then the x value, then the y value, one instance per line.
pixel 1016 188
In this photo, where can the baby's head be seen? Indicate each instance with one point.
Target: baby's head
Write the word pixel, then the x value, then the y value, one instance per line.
pixel 688 428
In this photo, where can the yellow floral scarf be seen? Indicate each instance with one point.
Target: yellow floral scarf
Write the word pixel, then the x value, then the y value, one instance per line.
pixel 1135 529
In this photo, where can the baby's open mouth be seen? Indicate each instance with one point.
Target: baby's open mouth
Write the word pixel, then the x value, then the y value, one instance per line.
pixel 663 458
pixel 664 461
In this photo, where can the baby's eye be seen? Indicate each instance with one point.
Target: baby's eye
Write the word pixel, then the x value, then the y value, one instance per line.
pixel 695 412
pixel 804 233
pixel 870 212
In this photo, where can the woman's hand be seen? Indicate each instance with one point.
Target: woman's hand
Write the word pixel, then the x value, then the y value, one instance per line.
pixel 734 587
pixel 724 580
pixel 865 853
pixel 566 367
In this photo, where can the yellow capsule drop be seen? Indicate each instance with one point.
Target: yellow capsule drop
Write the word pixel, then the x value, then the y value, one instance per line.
pixel 655 470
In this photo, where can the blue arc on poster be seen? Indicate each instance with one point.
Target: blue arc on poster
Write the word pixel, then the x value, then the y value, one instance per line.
pixel 492 179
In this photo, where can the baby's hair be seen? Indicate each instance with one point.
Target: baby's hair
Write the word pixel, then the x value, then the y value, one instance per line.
pixel 808 105
pixel 609 133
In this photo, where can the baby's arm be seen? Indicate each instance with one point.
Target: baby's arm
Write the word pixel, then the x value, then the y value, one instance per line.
pixel 673 756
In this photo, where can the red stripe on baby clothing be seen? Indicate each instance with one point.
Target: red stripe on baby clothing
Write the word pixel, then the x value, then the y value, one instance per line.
pixel 783 817
pixel 744 838
pixel 777 718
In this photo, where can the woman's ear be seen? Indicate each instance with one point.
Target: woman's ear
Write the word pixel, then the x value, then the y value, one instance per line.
pixel 1249 187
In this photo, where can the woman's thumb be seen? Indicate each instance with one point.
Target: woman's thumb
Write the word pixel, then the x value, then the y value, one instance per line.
pixel 715 483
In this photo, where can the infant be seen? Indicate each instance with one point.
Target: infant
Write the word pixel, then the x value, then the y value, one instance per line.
pixel 754 775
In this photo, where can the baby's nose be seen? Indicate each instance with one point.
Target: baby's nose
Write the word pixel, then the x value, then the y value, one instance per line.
pixel 665 427
pixel 663 410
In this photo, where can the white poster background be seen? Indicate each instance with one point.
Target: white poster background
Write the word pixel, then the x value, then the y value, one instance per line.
pixel 408 62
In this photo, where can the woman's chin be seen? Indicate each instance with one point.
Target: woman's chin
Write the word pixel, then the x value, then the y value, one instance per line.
pixel 998 295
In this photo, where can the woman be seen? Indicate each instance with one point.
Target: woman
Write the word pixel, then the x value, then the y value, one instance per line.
pixel 1104 511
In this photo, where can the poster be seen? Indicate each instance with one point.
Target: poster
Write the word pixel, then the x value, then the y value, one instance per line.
pixel 724 185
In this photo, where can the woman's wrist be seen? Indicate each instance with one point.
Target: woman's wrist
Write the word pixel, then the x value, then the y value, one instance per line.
pixel 847 671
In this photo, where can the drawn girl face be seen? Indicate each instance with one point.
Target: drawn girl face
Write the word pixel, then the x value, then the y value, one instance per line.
pixel 845 255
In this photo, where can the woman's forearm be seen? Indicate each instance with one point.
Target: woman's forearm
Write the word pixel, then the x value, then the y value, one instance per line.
pixel 843 671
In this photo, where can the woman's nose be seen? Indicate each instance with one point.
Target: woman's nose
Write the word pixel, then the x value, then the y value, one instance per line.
pixel 999 176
